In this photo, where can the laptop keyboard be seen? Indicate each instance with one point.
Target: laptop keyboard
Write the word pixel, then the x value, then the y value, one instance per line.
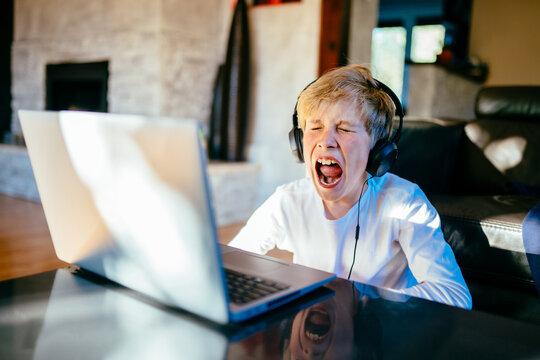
pixel 244 288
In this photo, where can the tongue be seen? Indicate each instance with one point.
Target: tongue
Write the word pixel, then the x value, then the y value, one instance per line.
pixel 318 323
pixel 319 319
pixel 331 170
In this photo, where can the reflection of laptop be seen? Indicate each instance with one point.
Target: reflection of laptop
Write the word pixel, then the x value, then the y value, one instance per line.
pixel 106 328
pixel 127 197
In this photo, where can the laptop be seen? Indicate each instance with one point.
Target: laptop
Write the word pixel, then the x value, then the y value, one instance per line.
pixel 127 197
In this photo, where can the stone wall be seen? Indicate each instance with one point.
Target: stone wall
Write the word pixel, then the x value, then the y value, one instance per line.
pixel 163 54
pixel 16 175
pixel 193 40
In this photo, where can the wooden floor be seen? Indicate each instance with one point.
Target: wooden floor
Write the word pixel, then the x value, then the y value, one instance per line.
pixel 26 245
pixel 25 242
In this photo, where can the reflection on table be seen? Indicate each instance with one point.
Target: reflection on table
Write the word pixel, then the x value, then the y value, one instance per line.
pixel 67 315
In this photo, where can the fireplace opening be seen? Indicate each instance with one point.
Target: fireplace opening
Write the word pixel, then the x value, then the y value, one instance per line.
pixel 77 86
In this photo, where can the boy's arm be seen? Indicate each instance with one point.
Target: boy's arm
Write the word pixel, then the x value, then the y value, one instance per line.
pixel 263 228
pixel 431 259
pixel 440 281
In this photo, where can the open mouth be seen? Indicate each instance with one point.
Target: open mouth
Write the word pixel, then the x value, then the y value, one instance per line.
pixel 329 172
pixel 317 325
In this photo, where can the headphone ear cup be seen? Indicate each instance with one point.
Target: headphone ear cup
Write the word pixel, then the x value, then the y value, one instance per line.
pixel 296 136
pixel 381 157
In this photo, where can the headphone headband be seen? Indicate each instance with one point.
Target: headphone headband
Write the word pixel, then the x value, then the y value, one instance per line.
pixel 382 86
pixel 397 105
pixel 295 113
pixel 381 157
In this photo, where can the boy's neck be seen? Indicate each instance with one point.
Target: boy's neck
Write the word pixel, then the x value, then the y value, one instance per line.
pixel 336 209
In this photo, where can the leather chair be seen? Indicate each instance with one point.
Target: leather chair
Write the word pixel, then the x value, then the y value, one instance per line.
pixel 483 177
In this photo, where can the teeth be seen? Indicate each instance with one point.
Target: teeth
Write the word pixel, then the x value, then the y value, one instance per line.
pixel 313 337
pixel 326 161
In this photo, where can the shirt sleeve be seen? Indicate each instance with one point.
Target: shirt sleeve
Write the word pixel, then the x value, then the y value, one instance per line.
pixel 431 260
pixel 264 230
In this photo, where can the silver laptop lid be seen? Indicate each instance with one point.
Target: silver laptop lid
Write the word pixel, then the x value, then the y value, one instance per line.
pixel 122 201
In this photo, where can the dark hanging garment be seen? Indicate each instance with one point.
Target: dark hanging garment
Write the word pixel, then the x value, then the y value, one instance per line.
pixel 214 138
pixel 230 135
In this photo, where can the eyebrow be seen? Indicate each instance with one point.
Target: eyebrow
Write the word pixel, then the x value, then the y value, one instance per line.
pixel 313 121
pixel 348 122
pixel 318 122
pixel 340 122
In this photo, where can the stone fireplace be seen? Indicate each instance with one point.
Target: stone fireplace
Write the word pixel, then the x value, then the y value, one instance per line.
pixel 161 57
pixel 156 58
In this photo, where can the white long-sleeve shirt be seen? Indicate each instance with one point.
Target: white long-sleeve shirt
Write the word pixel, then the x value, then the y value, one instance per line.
pixel 400 245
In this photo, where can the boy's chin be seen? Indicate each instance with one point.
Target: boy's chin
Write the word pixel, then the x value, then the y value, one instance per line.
pixel 327 195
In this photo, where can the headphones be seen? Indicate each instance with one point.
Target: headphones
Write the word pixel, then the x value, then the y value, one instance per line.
pixel 381 157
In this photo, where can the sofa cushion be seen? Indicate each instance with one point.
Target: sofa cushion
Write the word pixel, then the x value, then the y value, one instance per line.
pixel 499 157
pixel 427 153
pixel 486 237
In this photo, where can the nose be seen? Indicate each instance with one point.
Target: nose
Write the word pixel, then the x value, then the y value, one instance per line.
pixel 327 139
pixel 310 354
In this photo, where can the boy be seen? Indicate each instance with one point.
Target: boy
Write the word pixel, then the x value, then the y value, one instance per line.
pixel 378 230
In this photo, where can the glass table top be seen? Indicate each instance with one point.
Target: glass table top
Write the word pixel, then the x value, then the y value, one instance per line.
pixel 66 314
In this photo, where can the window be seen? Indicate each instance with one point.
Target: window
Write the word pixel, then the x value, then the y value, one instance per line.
pixel 389 51
pixel 427 42
pixel 388 56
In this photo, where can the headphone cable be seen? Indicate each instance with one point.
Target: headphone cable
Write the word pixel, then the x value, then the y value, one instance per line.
pixel 357 231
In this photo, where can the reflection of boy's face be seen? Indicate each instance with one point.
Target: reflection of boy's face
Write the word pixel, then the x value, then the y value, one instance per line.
pixel 336 151
pixel 325 330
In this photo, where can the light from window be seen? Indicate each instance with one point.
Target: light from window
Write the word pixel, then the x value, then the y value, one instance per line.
pixel 427 42
pixel 388 56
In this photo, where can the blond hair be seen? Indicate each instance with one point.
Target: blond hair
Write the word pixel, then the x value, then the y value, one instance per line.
pixel 356 85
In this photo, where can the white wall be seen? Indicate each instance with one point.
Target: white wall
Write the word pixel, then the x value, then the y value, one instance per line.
pixel 285 48
pixel 285 58
pixel 364 17
pixel 505 35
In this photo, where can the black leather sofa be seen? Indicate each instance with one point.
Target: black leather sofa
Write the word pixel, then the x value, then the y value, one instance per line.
pixel 483 177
